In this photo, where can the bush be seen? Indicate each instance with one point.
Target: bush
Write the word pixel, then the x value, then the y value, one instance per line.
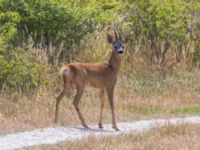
pixel 59 24
pixel 8 28
pixel 20 71
pixel 161 26
pixel 55 27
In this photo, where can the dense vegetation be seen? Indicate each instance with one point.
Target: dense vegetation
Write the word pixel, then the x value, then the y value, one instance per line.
pixel 159 76
pixel 36 36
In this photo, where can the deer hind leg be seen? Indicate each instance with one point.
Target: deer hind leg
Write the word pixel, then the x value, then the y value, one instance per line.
pixel 76 101
pixel 102 104
pixel 65 89
pixel 110 98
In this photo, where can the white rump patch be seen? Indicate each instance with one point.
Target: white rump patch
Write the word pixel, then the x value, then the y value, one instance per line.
pixel 66 71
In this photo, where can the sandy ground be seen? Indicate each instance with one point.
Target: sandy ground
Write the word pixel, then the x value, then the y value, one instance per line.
pixel 55 135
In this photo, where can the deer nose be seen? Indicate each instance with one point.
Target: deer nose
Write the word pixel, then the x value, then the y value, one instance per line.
pixel 120 51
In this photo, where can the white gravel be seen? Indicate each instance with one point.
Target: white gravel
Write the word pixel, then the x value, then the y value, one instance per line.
pixel 58 134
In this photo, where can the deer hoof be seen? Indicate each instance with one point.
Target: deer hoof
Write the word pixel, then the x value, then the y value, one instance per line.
pixel 85 126
pixel 100 126
pixel 116 128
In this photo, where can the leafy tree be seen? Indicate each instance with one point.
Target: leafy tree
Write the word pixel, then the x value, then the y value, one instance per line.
pixel 59 24
pixel 160 26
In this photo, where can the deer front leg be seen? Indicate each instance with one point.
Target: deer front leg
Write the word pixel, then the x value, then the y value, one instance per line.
pixel 102 104
pixel 110 98
pixel 76 101
pixel 66 88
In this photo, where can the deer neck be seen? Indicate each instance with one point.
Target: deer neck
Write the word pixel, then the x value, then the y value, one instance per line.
pixel 115 61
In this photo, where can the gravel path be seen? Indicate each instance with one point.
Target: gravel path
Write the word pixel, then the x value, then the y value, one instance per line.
pixel 59 134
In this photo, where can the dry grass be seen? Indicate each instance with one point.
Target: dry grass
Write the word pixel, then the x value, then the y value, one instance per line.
pixel 139 94
pixel 169 137
pixel 19 113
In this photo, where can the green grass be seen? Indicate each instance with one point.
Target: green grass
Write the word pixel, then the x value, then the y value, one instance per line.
pixel 145 111
pixel 152 84
pixel 189 110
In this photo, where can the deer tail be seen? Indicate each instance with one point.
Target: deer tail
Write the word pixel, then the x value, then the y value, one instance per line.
pixel 64 70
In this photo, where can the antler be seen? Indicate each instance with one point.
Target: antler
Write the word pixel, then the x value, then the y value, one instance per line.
pixel 116 37
pixel 120 36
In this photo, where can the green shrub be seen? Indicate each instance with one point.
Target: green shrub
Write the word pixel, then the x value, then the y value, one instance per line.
pixel 8 28
pixel 61 24
pixel 55 27
pixel 20 71
pixel 163 28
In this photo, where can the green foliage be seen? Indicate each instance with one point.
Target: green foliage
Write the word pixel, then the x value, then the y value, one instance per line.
pixel 8 28
pixel 192 110
pixel 160 26
pixel 164 19
pixel 59 30
pixel 59 23
pixel 21 72
pixel 49 23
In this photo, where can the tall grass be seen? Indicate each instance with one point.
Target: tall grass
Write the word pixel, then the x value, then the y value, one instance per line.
pixel 141 91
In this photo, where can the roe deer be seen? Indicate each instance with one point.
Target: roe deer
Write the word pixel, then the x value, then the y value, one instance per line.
pixel 100 75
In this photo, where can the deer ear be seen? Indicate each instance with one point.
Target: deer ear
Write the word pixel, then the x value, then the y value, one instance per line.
pixel 109 38
pixel 126 40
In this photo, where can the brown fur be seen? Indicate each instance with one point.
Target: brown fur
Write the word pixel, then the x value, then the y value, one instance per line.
pixel 100 75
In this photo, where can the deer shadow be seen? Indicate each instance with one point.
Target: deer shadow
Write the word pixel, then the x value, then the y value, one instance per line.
pixel 93 130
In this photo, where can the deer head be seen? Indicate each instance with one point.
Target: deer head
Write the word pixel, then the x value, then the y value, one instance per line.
pixel 117 42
